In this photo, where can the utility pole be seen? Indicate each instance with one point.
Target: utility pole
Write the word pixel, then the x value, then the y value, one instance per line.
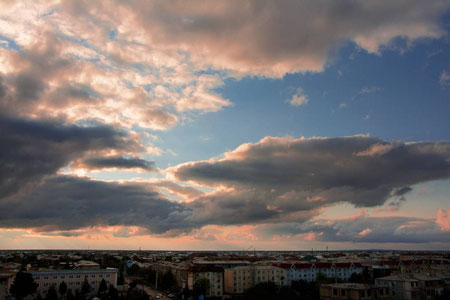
pixel 156 284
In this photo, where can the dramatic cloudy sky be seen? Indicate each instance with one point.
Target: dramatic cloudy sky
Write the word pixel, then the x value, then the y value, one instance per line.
pixel 224 124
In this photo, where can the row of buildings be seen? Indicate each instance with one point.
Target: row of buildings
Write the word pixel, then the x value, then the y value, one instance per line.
pixel 74 279
pixel 83 271
pixel 235 276
pixel 409 280
pixel 409 286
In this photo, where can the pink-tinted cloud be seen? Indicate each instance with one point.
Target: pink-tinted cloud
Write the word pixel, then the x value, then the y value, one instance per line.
pixel 70 69
pixel 443 219
pixel 365 232
pixel 299 98
pixel 275 38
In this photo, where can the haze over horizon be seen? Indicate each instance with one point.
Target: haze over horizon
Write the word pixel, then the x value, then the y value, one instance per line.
pixel 217 125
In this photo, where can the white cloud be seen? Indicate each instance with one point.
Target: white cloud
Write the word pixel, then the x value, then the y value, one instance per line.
pixel 299 98
pixel 444 80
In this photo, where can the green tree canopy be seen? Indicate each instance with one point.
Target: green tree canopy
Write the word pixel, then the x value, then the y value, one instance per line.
pixel 51 294
pixel 103 287
pixel 62 288
pixel 112 293
pixel 201 287
pixel 23 285
pixel 85 288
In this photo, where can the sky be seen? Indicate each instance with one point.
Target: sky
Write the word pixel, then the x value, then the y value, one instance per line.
pixel 221 125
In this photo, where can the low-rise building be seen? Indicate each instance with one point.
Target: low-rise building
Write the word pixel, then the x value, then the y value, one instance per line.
pixel 86 265
pixel 310 271
pixel 239 279
pixel 73 278
pixel 353 291
pixel 413 286
pixel 214 275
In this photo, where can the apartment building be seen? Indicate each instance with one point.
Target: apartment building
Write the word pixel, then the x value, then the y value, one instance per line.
pixel 309 271
pixel 213 274
pixel 73 278
pixel 353 291
pixel 239 279
pixel 413 286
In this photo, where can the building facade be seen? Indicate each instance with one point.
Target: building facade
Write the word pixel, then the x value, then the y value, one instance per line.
pixel 310 271
pixel 214 275
pixel 353 291
pixel 239 279
pixel 412 286
pixel 73 278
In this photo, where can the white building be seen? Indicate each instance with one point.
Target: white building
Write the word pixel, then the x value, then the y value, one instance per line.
pixel 309 271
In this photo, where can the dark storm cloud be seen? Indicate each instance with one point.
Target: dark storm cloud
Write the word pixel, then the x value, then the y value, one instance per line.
pixel 31 150
pixel 364 229
pixel 299 175
pixel 2 88
pixel 119 162
pixel 276 180
pixel 67 203
pixel 28 87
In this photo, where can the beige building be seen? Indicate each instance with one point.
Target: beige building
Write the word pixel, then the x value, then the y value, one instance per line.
pixel 73 278
pixel 353 291
pixel 412 286
pixel 213 274
pixel 239 279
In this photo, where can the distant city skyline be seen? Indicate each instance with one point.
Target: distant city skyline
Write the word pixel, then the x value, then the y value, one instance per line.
pixel 207 125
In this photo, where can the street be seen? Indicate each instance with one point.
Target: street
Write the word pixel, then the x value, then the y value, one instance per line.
pixel 148 289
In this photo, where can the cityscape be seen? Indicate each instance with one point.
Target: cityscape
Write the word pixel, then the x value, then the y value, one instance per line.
pixel 224 149
pixel 246 274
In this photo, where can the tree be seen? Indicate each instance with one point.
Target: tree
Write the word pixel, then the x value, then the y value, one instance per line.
pixel 23 285
pixel 62 288
pixel 133 270
pixel 201 287
pixel 262 291
pixel 70 295
pixel 121 279
pixel 103 287
pixel 51 294
pixel 168 281
pixel 85 288
pixel 112 293
pixel 133 284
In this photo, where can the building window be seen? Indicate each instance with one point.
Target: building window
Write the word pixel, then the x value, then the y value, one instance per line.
pixel 70 276
pixel 38 277
pixel 70 283
pixel 45 277
pixel 93 276
pixel 63 276
pixel 55 277
pixel 108 275
pixel 78 283
pixel 78 276
pixel 100 276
